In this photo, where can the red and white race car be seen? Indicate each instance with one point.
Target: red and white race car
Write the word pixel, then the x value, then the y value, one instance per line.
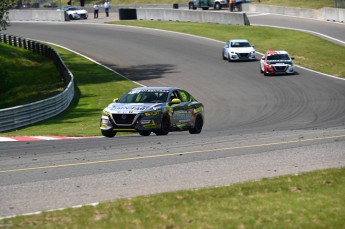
pixel 276 62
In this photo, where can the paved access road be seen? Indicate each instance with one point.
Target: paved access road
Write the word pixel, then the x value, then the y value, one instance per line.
pixel 255 126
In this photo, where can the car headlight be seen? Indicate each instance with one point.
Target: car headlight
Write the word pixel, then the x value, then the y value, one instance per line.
pixel 105 113
pixel 151 113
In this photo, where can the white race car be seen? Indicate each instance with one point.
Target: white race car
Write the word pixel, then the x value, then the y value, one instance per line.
pixel 75 12
pixel 238 49
pixel 276 62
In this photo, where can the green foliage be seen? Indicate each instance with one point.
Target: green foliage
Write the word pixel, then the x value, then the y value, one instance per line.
pixel 5 5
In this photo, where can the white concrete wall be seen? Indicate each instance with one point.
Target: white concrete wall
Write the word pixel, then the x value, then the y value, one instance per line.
pixel 221 17
pixel 333 14
pixel 36 15
pixel 326 14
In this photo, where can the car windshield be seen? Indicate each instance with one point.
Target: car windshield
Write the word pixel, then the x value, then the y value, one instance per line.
pixel 240 44
pixel 278 57
pixel 145 96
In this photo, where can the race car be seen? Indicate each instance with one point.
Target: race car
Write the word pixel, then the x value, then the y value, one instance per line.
pixel 238 49
pixel 74 12
pixel 276 62
pixel 153 109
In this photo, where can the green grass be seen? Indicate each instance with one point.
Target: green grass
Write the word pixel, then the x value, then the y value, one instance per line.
pixel 312 4
pixel 96 87
pixel 310 200
pixel 309 51
pixel 26 77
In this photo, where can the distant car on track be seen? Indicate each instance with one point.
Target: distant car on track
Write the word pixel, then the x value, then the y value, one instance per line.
pixel 238 49
pixel 276 62
pixel 153 109
pixel 75 12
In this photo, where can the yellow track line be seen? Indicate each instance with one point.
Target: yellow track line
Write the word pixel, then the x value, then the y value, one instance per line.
pixel 169 155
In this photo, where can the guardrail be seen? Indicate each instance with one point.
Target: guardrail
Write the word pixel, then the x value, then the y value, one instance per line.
pixel 24 115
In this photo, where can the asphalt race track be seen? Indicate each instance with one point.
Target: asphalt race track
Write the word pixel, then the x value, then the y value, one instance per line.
pixel 255 126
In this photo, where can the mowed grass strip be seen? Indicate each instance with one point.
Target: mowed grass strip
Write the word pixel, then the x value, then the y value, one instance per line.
pixel 310 200
pixel 309 51
pixel 26 77
pixel 312 4
pixel 96 87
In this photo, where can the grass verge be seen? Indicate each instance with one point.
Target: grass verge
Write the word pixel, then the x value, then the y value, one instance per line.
pixel 310 200
pixel 20 68
pixel 328 58
pixel 96 87
pixel 311 4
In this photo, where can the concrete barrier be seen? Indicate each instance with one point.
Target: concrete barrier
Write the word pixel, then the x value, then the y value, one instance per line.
pixel 333 14
pixel 36 15
pixel 220 17
pixel 326 14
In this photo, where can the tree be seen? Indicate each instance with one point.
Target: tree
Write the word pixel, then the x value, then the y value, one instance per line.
pixel 5 5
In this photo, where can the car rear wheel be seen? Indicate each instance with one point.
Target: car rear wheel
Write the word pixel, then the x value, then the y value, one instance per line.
pixel 145 133
pixel 197 126
pixel 165 126
pixel 108 133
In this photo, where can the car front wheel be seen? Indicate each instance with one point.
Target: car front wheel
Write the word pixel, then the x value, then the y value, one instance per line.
pixel 165 126
pixel 108 133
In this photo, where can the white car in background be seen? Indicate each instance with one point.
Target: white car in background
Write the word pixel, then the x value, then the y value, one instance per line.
pixel 238 49
pixel 75 12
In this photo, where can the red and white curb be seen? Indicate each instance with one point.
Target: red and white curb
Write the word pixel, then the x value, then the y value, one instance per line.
pixel 38 138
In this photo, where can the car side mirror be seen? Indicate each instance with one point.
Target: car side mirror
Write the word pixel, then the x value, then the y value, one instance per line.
pixel 175 101
pixel 292 58
pixel 262 58
pixel 115 100
pixel 253 45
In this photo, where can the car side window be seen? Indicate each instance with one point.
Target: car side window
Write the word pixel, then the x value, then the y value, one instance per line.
pixel 174 95
pixel 185 97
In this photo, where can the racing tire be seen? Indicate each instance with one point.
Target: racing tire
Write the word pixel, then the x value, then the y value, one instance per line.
pixel 108 133
pixel 197 126
pixel 165 126
pixel 145 133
